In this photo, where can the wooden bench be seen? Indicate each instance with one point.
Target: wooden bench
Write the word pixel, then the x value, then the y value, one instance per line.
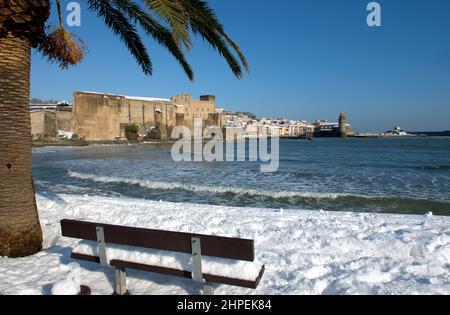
pixel 195 245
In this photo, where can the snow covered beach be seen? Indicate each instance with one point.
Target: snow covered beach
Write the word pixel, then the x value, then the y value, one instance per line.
pixel 305 252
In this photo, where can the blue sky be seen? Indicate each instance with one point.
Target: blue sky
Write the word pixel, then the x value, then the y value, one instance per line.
pixel 309 59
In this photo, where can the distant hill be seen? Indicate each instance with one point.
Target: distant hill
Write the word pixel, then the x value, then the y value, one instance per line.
pixel 248 114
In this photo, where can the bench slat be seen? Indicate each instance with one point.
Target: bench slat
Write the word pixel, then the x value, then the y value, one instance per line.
pixel 213 246
pixel 176 272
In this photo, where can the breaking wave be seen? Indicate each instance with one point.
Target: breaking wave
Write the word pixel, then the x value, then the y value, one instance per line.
pixel 285 199
pixel 203 188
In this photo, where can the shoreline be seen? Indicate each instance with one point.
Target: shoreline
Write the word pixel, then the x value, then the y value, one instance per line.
pixel 93 143
pixel 36 144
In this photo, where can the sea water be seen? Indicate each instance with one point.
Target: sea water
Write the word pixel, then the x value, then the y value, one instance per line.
pixel 388 175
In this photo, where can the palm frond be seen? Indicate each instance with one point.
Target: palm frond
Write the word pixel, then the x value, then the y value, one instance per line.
pixel 203 21
pixel 179 18
pixel 121 26
pixel 155 30
pixel 172 12
pixel 239 52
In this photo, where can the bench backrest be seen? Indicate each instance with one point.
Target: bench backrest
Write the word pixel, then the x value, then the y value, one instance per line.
pixel 214 246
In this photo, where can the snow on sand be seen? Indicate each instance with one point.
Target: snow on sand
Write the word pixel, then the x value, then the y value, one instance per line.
pixel 305 252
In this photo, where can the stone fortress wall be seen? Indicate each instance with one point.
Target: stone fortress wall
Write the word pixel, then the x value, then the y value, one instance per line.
pixel 104 117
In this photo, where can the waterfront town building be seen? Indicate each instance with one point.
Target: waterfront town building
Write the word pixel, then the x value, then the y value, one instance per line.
pixel 104 117
pixel 47 119
pixel 196 108
pixel 324 128
pixel 279 127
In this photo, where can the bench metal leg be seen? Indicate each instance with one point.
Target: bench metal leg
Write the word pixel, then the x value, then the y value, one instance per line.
pixel 197 273
pixel 208 289
pixel 121 281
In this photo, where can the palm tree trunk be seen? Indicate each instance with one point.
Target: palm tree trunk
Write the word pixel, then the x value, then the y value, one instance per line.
pixel 20 230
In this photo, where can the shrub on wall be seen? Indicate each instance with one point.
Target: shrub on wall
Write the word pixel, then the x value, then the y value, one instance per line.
pixel 132 132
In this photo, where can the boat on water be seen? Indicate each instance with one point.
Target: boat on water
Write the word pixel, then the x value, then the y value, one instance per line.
pixel 398 132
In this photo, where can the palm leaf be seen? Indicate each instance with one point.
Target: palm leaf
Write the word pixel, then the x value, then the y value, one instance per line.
pixel 172 12
pixel 121 26
pixel 181 17
pixel 203 21
pixel 155 30
pixel 238 51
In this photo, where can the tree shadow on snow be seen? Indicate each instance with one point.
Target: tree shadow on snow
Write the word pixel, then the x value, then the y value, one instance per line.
pixel 49 194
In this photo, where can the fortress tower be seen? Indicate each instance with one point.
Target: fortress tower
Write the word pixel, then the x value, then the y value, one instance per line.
pixel 342 125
